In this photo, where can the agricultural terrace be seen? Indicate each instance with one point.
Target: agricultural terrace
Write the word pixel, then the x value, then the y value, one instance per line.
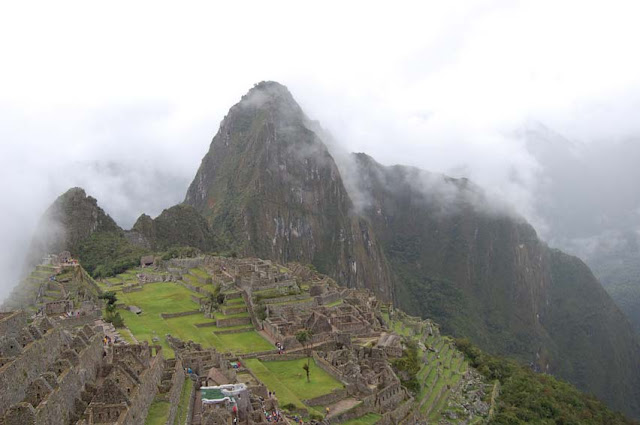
pixel 169 297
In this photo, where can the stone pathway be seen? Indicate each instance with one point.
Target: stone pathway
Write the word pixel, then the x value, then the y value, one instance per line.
pixel 109 330
pixel 341 406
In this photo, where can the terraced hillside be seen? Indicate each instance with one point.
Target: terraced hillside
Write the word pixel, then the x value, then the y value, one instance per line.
pixel 446 381
pixel 47 284
pixel 217 307
pixel 174 307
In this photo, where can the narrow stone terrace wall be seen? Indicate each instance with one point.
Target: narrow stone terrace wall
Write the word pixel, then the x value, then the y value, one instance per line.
pixel 176 391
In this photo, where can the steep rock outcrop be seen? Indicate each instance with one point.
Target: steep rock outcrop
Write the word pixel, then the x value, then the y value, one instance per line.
pixel 269 187
pixel 72 218
pixel 180 225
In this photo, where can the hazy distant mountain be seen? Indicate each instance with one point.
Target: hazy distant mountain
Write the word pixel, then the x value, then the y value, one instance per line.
pixel 589 199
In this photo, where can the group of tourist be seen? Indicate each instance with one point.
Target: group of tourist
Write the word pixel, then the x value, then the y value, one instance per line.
pixel 273 416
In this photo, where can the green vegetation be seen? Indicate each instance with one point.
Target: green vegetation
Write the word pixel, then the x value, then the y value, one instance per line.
pixel 528 397
pixel 158 413
pixel 112 316
pixel 108 253
pixel 368 419
pixel 167 297
pixel 409 366
pixel 304 338
pixel 181 252
pixel 287 379
pixel 183 406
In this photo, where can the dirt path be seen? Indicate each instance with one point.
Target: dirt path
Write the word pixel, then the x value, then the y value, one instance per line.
pixel 341 406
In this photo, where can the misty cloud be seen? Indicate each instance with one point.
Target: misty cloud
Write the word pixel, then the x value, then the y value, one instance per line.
pixel 123 101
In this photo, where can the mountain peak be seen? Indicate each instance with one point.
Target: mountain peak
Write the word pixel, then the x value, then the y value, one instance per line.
pixel 271 97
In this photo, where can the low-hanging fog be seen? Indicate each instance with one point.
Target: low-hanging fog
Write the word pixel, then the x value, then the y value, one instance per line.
pixel 536 101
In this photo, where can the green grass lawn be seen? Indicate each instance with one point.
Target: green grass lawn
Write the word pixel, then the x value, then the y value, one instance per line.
pixel 289 381
pixel 243 342
pixel 368 419
pixel 235 302
pixel 219 315
pixel 158 413
pixel 157 298
pixel 199 272
pixel 183 406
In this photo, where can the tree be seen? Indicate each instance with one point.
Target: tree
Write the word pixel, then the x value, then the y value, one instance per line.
pixel 110 297
pixel 306 369
pixel 112 315
pixel 304 338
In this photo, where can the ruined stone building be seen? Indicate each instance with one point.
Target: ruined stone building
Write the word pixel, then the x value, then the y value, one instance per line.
pixel 52 375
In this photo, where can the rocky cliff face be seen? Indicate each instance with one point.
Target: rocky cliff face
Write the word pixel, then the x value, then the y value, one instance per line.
pixel 269 187
pixel 72 218
pixel 484 274
pixel 180 225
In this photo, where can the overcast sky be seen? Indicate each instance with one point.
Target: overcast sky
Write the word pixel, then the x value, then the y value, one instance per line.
pixel 122 98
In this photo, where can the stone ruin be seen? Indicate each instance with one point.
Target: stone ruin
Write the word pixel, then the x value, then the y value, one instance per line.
pixel 52 375
pixel 213 370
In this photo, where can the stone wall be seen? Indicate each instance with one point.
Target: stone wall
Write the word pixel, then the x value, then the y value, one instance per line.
pixel 389 397
pixel 395 416
pixel 196 299
pixel 176 390
pixel 353 413
pixel 131 288
pixel 61 402
pixel 324 365
pixel 58 307
pixel 181 314
pixel 35 359
pixel 146 392
pixel 234 309
pixel 76 321
pixel 192 402
pixel 324 400
pixel 287 356
pixel 284 299
pixel 186 263
pixel 296 308
pixel 328 298
pixel 233 321
pixel 206 325
pixel 11 323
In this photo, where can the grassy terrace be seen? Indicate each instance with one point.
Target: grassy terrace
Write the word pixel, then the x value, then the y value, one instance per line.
pixel 368 419
pixel 193 281
pixel 235 302
pixel 167 297
pixel 199 272
pixel 304 300
pixel 219 315
pixel 183 406
pixel 335 303
pixel 444 368
pixel 158 413
pixel 397 326
pixel 289 381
